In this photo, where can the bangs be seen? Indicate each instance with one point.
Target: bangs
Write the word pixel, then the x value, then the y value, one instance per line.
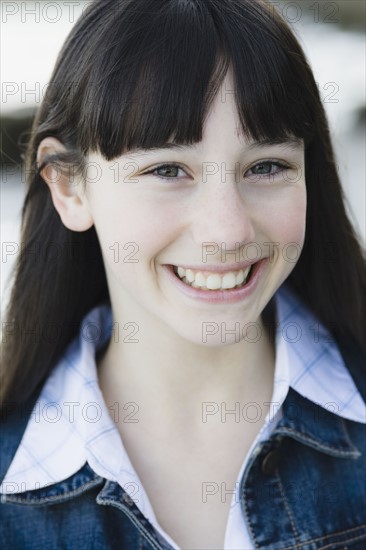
pixel 156 67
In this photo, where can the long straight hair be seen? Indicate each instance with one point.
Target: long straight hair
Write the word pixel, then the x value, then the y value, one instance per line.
pixel 136 74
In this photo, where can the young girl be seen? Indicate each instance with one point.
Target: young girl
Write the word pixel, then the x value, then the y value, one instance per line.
pixel 183 354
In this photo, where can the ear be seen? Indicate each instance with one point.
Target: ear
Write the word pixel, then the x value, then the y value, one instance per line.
pixel 67 196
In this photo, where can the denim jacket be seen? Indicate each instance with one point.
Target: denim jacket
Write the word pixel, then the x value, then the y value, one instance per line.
pixel 303 488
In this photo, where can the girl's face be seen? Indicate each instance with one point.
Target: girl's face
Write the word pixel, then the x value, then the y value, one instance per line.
pixel 221 202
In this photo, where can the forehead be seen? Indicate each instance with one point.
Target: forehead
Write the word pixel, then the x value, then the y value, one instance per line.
pixel 223 109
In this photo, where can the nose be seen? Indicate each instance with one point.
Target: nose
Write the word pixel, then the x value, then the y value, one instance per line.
pixel 222 217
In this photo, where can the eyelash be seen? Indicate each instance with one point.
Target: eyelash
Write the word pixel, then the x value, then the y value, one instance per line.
pixel 280 165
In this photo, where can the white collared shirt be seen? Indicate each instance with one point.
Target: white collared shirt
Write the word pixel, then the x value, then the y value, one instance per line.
pixel 71 424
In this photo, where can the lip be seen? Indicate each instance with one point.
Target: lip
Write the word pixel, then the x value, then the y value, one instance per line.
pixel 220 296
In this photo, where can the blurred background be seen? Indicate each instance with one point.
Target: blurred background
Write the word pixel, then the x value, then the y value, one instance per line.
pixel 32 33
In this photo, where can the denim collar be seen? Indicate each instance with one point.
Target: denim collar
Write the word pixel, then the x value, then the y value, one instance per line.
pixel 315 426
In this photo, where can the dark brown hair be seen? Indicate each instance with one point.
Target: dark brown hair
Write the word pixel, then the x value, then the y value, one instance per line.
pixel 135 74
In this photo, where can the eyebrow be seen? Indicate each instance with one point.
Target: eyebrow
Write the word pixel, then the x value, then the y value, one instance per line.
pixel 289 143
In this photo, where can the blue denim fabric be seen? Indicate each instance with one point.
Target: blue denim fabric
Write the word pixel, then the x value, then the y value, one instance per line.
pixel 303 488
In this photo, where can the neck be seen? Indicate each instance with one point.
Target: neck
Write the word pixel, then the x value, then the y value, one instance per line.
pixel 175 382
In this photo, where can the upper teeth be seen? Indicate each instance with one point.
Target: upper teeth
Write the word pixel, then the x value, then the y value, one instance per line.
pixel 213 281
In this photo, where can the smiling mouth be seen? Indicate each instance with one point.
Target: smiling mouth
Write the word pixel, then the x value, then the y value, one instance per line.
pixel 214 281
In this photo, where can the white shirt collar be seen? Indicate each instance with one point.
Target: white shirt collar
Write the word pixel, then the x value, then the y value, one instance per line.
pixel 71 424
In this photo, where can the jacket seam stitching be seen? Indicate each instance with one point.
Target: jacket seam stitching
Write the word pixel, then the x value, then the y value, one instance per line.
pixel 329 536
pixel 248 518
pixel 322 445
pixel 75 492
pixel 288 509
pixel 143 531
pixel 346 434
pixel 342 542
pixel 339 533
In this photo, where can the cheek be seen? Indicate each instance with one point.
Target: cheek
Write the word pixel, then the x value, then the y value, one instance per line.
pixel 291 231
pixel 285 219
pixel 132 230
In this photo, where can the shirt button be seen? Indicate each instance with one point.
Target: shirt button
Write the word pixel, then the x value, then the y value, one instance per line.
pixel 270 463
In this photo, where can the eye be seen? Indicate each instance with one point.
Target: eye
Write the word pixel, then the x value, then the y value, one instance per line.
pixel 171 171
pixel 266 169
